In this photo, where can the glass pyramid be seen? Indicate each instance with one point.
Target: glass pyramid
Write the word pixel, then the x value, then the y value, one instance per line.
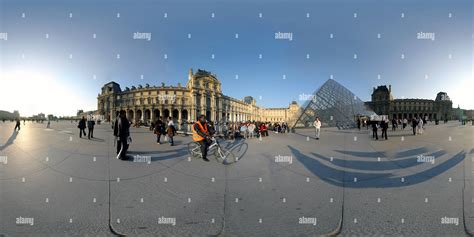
pixel 335 105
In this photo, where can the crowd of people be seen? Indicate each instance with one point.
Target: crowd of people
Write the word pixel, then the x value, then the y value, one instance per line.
pixel 165 129
pixel 251 129
pixel 227 130
pixel 233 130
pixel 417 124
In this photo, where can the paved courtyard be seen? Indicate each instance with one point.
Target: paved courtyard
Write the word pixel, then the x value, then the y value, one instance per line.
pixel 53 183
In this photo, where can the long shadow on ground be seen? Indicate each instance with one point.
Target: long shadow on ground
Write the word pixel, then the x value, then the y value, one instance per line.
pixel 379 165
pixel 371 180
pixel 9 141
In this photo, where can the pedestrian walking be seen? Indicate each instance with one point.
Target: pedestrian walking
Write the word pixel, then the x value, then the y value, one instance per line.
pixel 90 128
pixel 82 127
pixel 122 134
pixel 317 127
pixel 159 130
pixel 384 126
pixel 414 123
pixel 374 130
pixel 170 131
pixel 17 124
pixel 394 124
pixel 420 125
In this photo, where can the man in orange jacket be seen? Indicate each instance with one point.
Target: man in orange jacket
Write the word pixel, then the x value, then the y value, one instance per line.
pixel 202 135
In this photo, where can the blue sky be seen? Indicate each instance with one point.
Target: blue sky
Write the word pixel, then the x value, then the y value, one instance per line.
pixel 46 66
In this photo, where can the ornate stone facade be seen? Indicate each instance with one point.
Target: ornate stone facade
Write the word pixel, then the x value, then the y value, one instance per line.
pixel 383 103
pixel 201 95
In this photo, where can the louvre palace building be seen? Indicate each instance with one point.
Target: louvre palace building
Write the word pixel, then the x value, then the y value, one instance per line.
pixel 383 103
pixel 201 95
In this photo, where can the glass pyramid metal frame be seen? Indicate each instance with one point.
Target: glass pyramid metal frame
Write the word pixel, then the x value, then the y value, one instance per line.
pixel 335 105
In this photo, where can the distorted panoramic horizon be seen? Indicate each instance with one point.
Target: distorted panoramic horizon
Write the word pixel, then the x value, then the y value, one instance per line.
pixel 231 118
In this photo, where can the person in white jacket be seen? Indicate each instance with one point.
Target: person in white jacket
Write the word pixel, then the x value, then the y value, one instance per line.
pixel 317 127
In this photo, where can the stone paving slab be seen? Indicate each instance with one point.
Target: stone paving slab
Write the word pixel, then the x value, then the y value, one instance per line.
pixel 348 182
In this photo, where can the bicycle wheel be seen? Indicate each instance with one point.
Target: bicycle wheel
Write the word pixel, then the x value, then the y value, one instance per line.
pixel 194 149
pixel 225 155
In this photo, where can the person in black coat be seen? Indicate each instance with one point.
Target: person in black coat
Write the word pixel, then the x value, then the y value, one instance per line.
pixel 123 135
pixel 90 128
pixel 414 123
pixel 17 124
pixel 159 130
pixel 115 128
pixel 384 125
pixel 82 126
pixel 374 130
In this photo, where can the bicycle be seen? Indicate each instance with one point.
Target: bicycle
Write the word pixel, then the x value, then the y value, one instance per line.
pixel 223 154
